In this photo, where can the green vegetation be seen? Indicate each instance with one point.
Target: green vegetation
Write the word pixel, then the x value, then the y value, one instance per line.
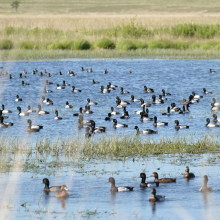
pixel 105 44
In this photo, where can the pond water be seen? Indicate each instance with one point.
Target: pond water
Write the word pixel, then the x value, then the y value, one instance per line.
pixel 178 77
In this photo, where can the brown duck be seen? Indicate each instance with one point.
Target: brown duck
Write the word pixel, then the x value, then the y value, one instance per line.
pixel 163 180
pixel 188 174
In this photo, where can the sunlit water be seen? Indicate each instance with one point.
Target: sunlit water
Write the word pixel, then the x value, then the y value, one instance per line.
pixel 90 195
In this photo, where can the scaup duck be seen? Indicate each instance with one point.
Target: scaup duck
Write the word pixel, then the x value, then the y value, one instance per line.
pixel 215 103
pixel 82 68
pixel 30 110
pixel 122 102
pixel 211 71
pixel 60 87
pixel 188 174
pixel 75 90
pixel 148 89
pixel 115 125
pixel 22 113
pixel 25 71
pixel 49 102
pixel 134 100
pixel 125 115
pixel 52 188
pixel 161 98
pixel 80 112
pixel 168 111
pixel 120 188
pixel 106 71
pixel 205 188
pixel 111 86
pixel 206 92
pixel 68 105
pixel 144 117
pixel 57 117
pixel 95 82
pixel 192 99
pixel 47 91
pixel 88 111
pixel 196 96
pixel 114 112
pixel 101 128
pixel 5 111
pixel 122 91
pixel 10 76
pixel 210 125
pixel 24 84
pixel 174 107
pixel 41 112
pixel 32 129
pixel 215 118
pixel 21 76
pixel 145 131
pixel 34 126
pixel 65 84
pixel 139 111
pixel 163 180
pixel 214 108
pixel 154 197
pixel 156 101
pixel 62 193
pixel 105 90
pixel 48 83
pixel 108 118
pixel 18 99
pixel 164 93
pixel 91 103
pixel 146 184
pixel 144 103
pixel 178 126
pixel 159 123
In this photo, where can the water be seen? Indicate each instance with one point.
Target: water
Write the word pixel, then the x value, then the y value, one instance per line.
pixel 178 77
pixel 90 195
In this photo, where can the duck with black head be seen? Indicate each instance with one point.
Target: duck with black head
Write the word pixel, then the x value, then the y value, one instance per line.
pixel 146 184
pixel 52 188
pixel 120 188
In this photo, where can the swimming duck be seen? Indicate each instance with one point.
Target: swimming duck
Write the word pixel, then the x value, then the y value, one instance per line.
pixel 105 90
pixel 146 184
pixel 87 110
pixel 156 101
pixel 65 84
pixel 180 126
pixel 80 112
pixel 34 126
pixel 18 99
pixel 164 93
pixel 159 123
pixel 111 86
pixel 120 188
pixel 148 89
pixel 60 73
pixel 82 68
pixel 196 96
pixel 10 76
pixel 21 76
pixel 24 84
pixel 22 113
pixel 32 129
pixel 2 115
pixel 62 193
pixel 188 174
pixel 145 131
pixel 139 111
pixel 60 87
pixel 125 115
pixel 95 82
pixel 2 124
pixel 211 71
pixel 49 102
pixel 129 71
pixel 115 125
pixel 106 71
pixel 215 118
pixel 47 91
pixel 163 180
pixel 41 112
pixel 5 111
pixel 91 70
pixel 168 111
pixel 205 188
pixel 114 112
pixel 57 117
pixel 154 197
pixel 161 98
pixel 144 117
pixel 68 105
pixel 192 99
pixel 210 125
pixel 215 103
pixel 71 73
pixel 52 188
pixel 25 71
pixel 100 128
pixel 122 102
pixel 91 103
pixel 87 134
pixel 30 110
pixel 174 107
pixel 214 108
pixel 48 83
pixel 123 92
pixel 134 100
pixel 186 102
pixel 144 103
pixel 108 118
pixel 206 92
pixel 75 90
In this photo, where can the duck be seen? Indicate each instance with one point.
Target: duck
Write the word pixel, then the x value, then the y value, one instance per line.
pixel 90 70
pixel 115 125
pixel 168 111
pixel 106 71
pixel 47 91
pixel 48 83
pixel 215 118
pixel 161 98
pixel 182 111
pixel 114 112
pixel 174 107
pixel 2 124
pixel 144 117
pixel 164 93
pixel 25 71
pixel 140 111
pixel 24 84
pixel 71 73
pixel 146 184
pixel 68 105
pixel 108 118
pixel 206 92
pixel 32 129
pixel 57 117
pixel 185 102
pixel 5 111
pixel 91 103
pixel 75 90
pixel 205 188
pixel 95 82
pixel 52 188
pixel 30 110
pixel 196 96
pixel 154 197
pixel 125 115
pixel 163 180
pixel 112 86
pixel 60 73
pixel 22 113
pixel 144 103
pixel 80 112
pixel 65 84
pixel 210 125
pixel 18 99
pixel 82 68
pixel 41 112
pixel 34 126
pixel 159 123
pixel 134 100
pixel 214 108
pixel 129 71
pixel 60 87
pixel 215 103
pixel 62 193
pixel 148 90
pixel 100 128
pixel 123 92
pixel 87 110
pixel 87 134
pixel 21 76
pixel 122 102
pixel 120 188
pixel 105 90
pixel 188 174
pixel 10 76
pixel 145 131
pixel 156 101
pixel 180 126
pixel 192 99
pixel 49 102
pixel 211 71
pixel 2 115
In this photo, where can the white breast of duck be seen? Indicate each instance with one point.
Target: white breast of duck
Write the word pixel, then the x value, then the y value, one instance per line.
pixel 159 123
pixel 60 87
pixel 210 125
pixel 22 113
pixel 5 111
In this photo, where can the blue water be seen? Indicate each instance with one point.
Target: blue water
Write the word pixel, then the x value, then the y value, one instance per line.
pixel 178 77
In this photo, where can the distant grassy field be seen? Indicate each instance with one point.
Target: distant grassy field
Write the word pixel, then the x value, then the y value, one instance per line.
pixel 140 27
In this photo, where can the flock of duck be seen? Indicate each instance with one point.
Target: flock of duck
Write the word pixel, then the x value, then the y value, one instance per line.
pixel 62 189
